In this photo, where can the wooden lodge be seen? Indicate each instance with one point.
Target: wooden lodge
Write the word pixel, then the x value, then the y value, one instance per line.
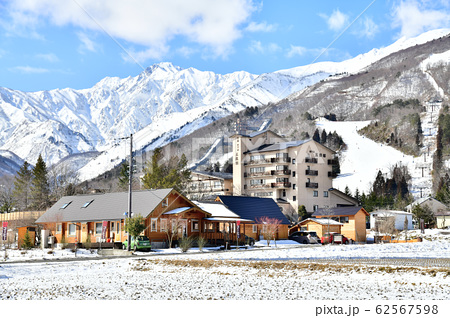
pixel 101 217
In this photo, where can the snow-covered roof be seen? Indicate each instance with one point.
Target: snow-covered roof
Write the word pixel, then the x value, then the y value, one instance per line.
pixel 216 209
pixel 323 221
pixel 422 200
pixel 178 210
pixel 387 212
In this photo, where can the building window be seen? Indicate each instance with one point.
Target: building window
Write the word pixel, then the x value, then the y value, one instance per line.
pixel 293 161
pixel 257 169
pixel 294 186
pixel 257 181
pixel 118 228
pixel 72 229
pixel 87 204
pixel 315 208
pixel 154 225
pixel 195 225
pixel 163 225
pixel 65 205
pixel 294 198
pixel 284 193
pixel 255 228
pixel 325 194
pixel 58 228
pixel 209 227
pixel 293 174
pixel 98 228
pixel 315 193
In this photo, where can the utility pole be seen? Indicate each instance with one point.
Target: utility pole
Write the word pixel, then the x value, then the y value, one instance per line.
pixel 130 178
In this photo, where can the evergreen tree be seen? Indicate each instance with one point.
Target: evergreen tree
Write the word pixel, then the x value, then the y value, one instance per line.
pixel 172 175
pixel 27 243
pixel 124 176
pixel 316 136
pixel 40 189
pixel 323 137
pixel 302 213
pixel 347 191
pixel 22 187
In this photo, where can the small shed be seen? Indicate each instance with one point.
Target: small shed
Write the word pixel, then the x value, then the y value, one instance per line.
pixel 353 219
pixel 320 226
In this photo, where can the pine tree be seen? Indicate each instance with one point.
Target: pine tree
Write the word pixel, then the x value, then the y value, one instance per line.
pixel 172 175
pixel 40 189
pixel 316 136
pixel 124 176
pixel 22 187
pixel 27 243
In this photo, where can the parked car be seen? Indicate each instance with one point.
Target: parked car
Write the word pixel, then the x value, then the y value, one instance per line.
pixel 305 237
pixel 246 240
pixel 335 238
pixel 138 243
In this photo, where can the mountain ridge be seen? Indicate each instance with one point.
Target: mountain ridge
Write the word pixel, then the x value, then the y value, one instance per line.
pixel 161 104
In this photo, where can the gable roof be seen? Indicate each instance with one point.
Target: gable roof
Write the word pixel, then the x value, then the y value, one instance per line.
pixel 253 207
pixel 339 211
pixel 423 200
pixel 107 206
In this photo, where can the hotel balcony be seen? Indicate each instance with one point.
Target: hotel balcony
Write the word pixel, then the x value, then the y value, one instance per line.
pixel 285 172
pixel 257 162
pixel 332 174
pixel 281 160
pixel 311 160
pixel 309 172
pixel 333 162
pixel 281 185
pixel 312 185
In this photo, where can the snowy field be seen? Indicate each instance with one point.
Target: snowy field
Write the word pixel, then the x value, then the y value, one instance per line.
pixel 260 273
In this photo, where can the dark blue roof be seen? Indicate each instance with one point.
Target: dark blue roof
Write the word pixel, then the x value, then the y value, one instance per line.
pixel 253 207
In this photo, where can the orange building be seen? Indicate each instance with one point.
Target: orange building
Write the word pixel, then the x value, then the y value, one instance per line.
pixel 353 218
pixel 101 217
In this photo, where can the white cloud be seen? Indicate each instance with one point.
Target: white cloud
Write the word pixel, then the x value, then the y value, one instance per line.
pixel 49 57
pixel 86 43
pixel 367 28
pixel 151 23
pixel 336 21
pixel 29 69
pixel 296 51
pixel 414 17
pixel 258 47
pixel 260 27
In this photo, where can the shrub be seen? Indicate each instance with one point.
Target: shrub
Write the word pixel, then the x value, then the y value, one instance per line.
pixel 201 242
pixel 186 243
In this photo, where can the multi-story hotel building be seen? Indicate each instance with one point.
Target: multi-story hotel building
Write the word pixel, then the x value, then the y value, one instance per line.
pixel 293 173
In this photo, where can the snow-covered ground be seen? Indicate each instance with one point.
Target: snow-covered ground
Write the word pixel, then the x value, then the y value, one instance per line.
pixel 260 273
pixel 363 158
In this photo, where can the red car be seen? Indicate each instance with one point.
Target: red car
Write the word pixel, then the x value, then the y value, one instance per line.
pixel 335 238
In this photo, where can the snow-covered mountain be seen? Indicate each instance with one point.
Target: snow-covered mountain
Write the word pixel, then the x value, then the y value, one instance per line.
pixel 164 103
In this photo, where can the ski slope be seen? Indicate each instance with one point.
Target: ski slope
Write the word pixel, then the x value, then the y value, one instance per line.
pixel 363 158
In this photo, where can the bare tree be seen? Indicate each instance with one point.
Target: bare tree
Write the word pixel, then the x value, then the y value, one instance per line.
pixel 270 228
pixel 60 178
pixel 172 225
pixel 385 223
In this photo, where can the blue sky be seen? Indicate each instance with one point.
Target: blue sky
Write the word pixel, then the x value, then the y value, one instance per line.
pixel 48 44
